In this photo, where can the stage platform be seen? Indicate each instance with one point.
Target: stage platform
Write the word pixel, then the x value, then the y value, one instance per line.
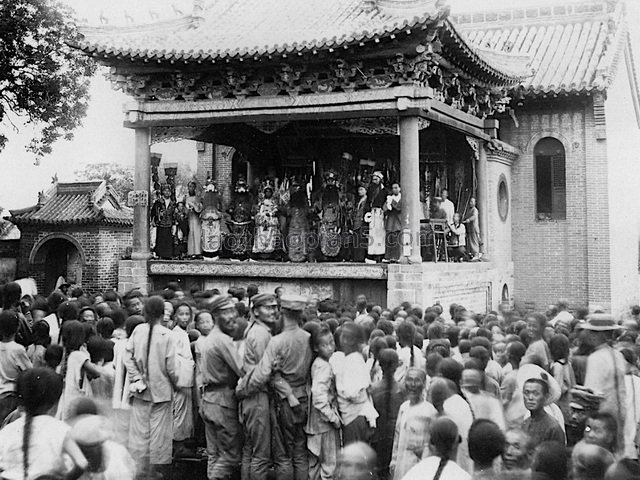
pixel 321 280
pixel 480 286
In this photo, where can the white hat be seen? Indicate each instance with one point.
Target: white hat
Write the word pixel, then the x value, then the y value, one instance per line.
pixel 378 174
pixel 534 372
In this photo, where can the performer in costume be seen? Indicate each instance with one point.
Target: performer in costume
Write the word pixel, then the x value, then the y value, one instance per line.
pixel 182 231
pixel 211 216
pixel 393 224
pixel 193 202
pixel 359 226
pixel 376 198
pixel 473 230
pixel 239 242
pixel 267 223
pixel 163 218
pixel 329 206
pixel 297 224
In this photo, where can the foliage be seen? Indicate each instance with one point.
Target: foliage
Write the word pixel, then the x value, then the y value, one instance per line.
pixel 120 177
pixel 43 80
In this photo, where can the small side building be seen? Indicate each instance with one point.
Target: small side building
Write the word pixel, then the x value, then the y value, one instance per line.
pixel 77 230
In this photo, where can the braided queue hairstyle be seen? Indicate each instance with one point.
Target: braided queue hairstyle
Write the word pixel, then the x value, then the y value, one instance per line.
pixel 406 332
pixel 389 362
pixel 444 437
pixel 73 336
pixel 153 313
pixel 375 347
pixel 38 389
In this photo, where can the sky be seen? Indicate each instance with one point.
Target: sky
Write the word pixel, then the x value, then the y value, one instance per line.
pixel 103 139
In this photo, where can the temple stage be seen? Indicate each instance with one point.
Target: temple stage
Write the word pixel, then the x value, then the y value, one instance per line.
pixel 479 286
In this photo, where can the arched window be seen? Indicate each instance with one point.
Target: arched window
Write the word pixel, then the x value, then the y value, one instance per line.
pixel 551 184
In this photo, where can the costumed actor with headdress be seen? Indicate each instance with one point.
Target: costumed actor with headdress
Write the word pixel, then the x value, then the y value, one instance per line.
pixel 211 216
pixel 267 223
pixel 239 243
pixel 193 204
pixel 298 213
pixel 163 218
pixel 328 207
pixel 376 198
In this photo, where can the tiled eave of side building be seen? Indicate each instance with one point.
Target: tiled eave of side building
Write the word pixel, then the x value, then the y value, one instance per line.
pixel 241 35
pixel 79 203
pixel 575 48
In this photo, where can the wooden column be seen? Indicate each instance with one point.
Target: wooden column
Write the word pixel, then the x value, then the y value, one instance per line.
pixel 482 200
pixel 410 183
pixel 141 182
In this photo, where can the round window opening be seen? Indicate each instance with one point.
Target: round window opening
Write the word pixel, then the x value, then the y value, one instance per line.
pixel 503 198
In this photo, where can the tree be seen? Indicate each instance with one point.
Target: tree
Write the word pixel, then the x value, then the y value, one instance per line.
pixel 120 177
pixel 43 80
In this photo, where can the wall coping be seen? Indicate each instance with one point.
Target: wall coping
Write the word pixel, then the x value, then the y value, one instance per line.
pixel 229 268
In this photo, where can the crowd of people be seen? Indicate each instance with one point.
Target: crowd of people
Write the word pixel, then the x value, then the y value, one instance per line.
pixel 271 385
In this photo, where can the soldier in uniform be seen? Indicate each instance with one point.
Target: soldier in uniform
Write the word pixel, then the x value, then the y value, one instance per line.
pixel 221 367
pixel 288 356
pixel 254 412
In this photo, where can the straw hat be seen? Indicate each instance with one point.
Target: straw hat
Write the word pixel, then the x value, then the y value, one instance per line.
pixel 599 322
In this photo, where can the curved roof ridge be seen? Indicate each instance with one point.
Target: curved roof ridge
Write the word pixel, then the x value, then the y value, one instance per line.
pixel 550 11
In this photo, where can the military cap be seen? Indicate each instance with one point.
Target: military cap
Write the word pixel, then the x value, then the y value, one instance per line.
pixel 220 302
pixel 293 302
pixel 263 299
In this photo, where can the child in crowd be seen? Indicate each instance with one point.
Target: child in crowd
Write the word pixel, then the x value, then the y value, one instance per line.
pixel 77 368
pixel 41 339
pixel 376 345
pixel 352 384
pixel 323 423
pixel 35 444
pixel 121 382
pixel 387 395
pixel 101 353
pixel 408 354
pixel 411 439
pixel 563 372
pixel 53 356
pixel 13 360
pixel 182 402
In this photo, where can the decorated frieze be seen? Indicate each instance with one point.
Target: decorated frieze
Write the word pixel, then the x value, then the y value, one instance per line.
pixel 450 85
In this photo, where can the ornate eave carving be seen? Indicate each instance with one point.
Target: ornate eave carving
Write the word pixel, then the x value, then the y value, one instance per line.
pixel 501 152
pixel 175 134
pixel 451 86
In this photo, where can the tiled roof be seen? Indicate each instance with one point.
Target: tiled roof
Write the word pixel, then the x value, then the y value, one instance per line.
pixel 573 48
pixel 76 203
pixel 248 28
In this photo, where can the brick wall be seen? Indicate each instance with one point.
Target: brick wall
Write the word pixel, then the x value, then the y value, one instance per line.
pixel 498 245
pixel 113 245
pixel 562 258
pixel 133 274
pixel 101 249
pixel 223 170
pixel 204 165
pixel 477 286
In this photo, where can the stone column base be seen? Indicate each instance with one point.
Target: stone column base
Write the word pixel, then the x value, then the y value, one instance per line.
pixel 133 274
pixel 404 284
